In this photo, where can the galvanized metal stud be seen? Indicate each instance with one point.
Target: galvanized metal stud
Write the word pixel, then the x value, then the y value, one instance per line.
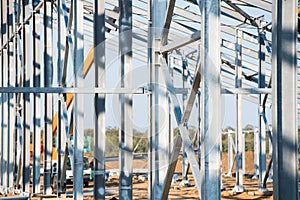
pixel 284 99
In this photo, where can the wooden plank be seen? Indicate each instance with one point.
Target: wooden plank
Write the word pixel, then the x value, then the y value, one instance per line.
pixel 89 60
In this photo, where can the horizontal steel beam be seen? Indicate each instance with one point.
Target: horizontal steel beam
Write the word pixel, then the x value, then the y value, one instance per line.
pixel 15 197
pixel 246 91
pixel 72 90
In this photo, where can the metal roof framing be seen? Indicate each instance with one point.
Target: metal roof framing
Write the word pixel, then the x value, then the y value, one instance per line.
pixel 229 47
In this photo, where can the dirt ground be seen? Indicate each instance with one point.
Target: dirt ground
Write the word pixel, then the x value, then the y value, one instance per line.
pixel 176 192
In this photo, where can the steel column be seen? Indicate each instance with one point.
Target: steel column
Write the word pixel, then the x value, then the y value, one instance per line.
pixel 162 129
pixel 37 100
pixel 171 129
pixel 78 99
pixel 261 110
pixel 239 126
pixel 161 136
pixel 284 99
pixel 161 106
pixel 42 83
pixel 151 104
pixel 61 135
pixel 126 129
pixel 17 131
pixel 31 84
pixel 6 104
pixel 26 105
pixel 99 99
pixel 210 100
pixel 185 162
pixel 4 98
pixel 11 97
pixel 1 99
pixel 48 80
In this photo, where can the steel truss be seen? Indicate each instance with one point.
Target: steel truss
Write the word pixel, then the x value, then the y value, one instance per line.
pixel 224 49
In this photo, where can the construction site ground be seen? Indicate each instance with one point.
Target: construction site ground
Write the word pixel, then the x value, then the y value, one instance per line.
pixel 140 188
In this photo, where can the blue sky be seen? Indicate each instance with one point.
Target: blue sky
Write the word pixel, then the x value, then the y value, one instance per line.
pixel 140 103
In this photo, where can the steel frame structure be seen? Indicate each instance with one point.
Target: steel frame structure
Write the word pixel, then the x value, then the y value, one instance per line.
pixel 241 53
